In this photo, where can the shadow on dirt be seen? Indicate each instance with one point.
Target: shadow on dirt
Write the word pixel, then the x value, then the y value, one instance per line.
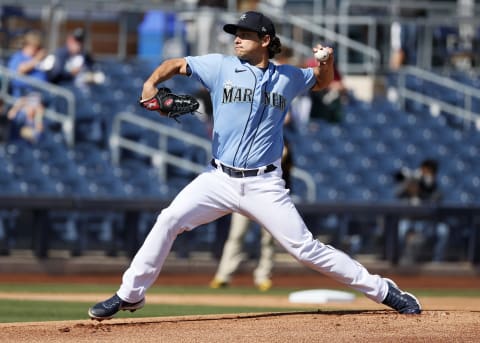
pixel 205 318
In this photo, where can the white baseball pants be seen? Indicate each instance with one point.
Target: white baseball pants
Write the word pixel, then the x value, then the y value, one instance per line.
pixel 262 198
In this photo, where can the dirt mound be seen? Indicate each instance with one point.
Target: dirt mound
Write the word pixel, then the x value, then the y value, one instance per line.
pixel 332 326
pixel 445 319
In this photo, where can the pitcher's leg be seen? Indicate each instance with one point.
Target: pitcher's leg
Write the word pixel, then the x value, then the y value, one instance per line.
pixel 232 252
pixel 192 207
pixel 279 215
pixel 263 272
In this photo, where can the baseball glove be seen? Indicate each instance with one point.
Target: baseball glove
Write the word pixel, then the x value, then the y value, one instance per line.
pixel 170 104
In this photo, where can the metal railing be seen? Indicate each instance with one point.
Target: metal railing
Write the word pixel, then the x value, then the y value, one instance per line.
pixel 358 47
pixel 291 24
pixel 347 6
pixel 289 27
pixel 160 156
pixel 387 215
pixel 67 120
pixel 368 20
pixel 465 111
pixel 309 182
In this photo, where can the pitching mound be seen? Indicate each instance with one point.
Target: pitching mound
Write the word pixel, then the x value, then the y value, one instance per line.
pixel 332 326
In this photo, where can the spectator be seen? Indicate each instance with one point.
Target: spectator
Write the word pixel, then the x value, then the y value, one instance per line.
pixel 207 16
pixel 328 103
pixel 420 187
pixel 28 61
pixel 27 118
pixel 285 56
pixel 404 36
pixel 232 255
pixel 71 63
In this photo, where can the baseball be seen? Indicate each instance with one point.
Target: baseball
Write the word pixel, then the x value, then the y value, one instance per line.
pixel 321 55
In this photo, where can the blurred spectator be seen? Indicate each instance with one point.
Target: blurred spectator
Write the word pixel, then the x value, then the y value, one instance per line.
pixel 418 187
pixel 26 116
pixel 463 56
pixel 71 63
pixel 247 5
pixel 233 256
pixel 28 61
pixel 285 56
pixel 404 37
pixel 328 103
pixel 207 15
pixel 12 24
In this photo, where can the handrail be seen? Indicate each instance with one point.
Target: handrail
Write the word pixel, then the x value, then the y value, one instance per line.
pixel 160 156
pixel 103 5
pixel 67 120
pixel 465 112
pixel 389 213
pixel 447 82
pixel 372 54
pixel 448 7
pixel 309 182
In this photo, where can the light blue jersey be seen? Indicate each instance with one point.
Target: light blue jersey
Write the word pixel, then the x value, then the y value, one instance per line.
pixel 249 106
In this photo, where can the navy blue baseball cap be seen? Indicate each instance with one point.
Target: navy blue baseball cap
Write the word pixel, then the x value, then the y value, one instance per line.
pixel 252 21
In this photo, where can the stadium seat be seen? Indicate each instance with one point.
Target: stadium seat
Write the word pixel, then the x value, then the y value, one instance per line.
pixel 375 139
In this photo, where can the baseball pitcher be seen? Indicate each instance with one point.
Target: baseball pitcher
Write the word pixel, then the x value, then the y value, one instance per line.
pixel 250 97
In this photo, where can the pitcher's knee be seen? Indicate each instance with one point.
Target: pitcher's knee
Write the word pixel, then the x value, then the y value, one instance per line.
pixel 170 221
pixel 307 252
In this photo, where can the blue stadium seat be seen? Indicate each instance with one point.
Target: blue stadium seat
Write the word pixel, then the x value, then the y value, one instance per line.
pixel 327 193
pixel 362 194
pixel 72 186
pixel 460 197
pixel 352 179
pixel 9 185
pixel 141 180
pixel 351 160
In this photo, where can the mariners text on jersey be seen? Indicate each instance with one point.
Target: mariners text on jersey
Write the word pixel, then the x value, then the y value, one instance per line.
pixel 238 94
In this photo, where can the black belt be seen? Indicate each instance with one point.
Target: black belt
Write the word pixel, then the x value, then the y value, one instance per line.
pixel 238 173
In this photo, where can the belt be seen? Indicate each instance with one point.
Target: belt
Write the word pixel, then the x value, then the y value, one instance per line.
pixel 238 173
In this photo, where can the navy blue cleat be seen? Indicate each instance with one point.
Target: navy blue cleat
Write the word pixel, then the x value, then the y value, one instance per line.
pixel 402 302
pixel 108 308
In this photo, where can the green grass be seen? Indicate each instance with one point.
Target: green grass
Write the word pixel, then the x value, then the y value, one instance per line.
pixel 156 289
pixel 22 310
pixel 102 288
pixel 35 311
pixel 26 311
